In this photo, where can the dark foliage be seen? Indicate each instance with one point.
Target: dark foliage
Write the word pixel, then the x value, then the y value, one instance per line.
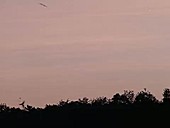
pixel 122 110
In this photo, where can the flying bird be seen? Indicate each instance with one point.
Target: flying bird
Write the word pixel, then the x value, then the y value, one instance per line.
pixel 43 5
pixel 22 104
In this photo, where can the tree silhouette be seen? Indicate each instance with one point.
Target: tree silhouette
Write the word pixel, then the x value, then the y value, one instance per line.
pixel 126 98
pixel 166 96
pixel 4 108
pixel 85 100
pixel 122 110
pixel 145 97
pixel 117 99
pixel 99 101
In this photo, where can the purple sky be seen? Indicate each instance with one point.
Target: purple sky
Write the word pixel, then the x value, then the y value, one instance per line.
pixel 77 48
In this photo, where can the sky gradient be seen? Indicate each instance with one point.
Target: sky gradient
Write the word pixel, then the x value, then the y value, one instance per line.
pixel 78 48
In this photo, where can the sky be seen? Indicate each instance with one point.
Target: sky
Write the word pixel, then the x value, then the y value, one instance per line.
pixel 82 48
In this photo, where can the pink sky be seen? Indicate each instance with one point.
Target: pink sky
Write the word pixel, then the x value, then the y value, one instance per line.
pixel 78 48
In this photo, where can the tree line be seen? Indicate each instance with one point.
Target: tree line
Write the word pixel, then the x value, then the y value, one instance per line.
pixel 122 110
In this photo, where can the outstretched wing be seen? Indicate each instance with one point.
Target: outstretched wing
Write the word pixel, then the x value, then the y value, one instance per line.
pixel 22 103
pixel 43 5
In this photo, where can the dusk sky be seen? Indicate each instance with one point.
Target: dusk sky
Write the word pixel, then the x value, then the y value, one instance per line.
pixel 82 48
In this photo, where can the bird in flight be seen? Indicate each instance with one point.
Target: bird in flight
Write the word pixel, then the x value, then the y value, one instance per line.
pixel 43 5
pixel 22 104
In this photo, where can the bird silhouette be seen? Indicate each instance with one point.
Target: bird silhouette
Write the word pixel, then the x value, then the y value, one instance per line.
pixel 43 5
pixel 22 104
